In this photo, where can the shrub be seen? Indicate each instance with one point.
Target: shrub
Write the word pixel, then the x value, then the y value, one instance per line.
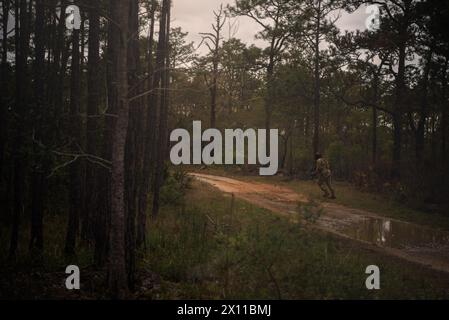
pixel 175 187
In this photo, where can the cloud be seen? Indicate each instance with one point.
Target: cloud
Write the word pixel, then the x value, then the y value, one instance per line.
pixel 195 16
pixel 353 21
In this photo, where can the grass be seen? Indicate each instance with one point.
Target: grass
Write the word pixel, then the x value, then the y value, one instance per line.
pixel 212 246
pixel 349 196
pixel 33 277
pixel 223 248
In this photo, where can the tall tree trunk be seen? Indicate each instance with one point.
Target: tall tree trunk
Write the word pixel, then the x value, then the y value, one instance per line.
pixel 161 61
pixel 58 73
pixel 134 152
pixel 4 76
pixel 214 91
pixel 213 40
pixel 307 126
pixel 149 130
pixel 215 64
pixel 444 123
pixel 82 111
pixel 423 114
pixel 317 85
pixel 38 180
pixel 445 113
pixel 375 119
pixel 22 49
pixel 105 179
pixel 75 168
pixel 166 91
pixel 117 259
pixel 398 113
pixel 93 101
pixel 269 96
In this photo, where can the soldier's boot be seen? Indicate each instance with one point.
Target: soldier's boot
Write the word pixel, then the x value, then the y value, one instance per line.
pixel 332 193
pixel 326 193
pixel 329 185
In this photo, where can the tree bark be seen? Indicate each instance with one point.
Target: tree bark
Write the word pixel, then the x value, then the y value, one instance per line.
pixel 317 85
pixel 375 118
pixel 150 124
pixel 75 168
pixel 134 152
pixel 90 218
pixel 60 53
pixel 269 96
pixel 420 130
pixel 105 179
pixel 398 115
pixel 38 187
pixel 4 76
pixel 20 157
pixel 162 59
pixel 215 64
pixel 117 264
pixel 445 114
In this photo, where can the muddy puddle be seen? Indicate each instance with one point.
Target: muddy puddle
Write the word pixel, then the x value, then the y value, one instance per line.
pixel 394 234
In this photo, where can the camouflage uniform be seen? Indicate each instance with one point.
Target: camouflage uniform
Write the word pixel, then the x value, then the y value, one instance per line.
pixel 324 177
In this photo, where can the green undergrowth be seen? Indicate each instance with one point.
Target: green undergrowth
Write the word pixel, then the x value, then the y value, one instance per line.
pixel 218 247
pixel 206 245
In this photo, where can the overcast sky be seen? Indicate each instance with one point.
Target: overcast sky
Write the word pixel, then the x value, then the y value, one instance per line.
pixel 195 16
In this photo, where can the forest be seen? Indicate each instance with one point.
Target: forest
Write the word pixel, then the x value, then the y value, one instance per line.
pixel 91 90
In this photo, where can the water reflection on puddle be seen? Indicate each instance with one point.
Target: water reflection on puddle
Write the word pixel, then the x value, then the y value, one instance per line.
pixel 395 234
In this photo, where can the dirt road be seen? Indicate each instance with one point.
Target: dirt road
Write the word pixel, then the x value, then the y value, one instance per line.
pixel 412 242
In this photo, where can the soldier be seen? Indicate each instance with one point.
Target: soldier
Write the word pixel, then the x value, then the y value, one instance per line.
pixel 324 174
